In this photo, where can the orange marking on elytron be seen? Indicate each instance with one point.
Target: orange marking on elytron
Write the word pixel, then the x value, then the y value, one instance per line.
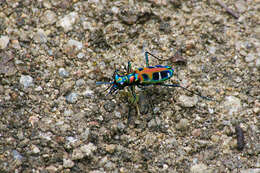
pixel 151 70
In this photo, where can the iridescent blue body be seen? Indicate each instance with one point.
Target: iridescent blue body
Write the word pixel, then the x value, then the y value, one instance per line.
pixel 149 75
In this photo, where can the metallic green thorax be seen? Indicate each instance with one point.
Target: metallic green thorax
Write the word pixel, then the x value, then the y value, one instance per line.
pixel 126 80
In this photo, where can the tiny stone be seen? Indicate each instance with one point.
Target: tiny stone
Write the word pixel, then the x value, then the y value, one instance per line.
pixel 196 132
pixel 68 112
pixel 81 55
pixel 257 149
pixel 88 93
pixel 72 97
pixel 70 140
pixel 238 79
pixel 80 82
pixel 68 21
pixel 251 170
pixel 46 4
pixel 257 62
pixel 39 88
pixel 232 105
pixel 4 40
pixel 49 17
pixel 110 148
pixel 115 10
pixel 85 134
pixel 67 163
pixel 152 123
pixel 77 154
pixel 156 110
pixel 241 6
pixel 109 106
pixel 120 126
pixel 74 43
pixel 188 102
pixel 17 155
pixel 88 149
pixel 40 37
pixel 212 50
pixel 16 44
pixel 118 114
pixel 215 138
pixel 51 169
pixel 199 168
pixel 66 87
pixel 103 161
pixel 250 57
pixel 183 124
pixel 110 165
pixel 26 81
pixel 63 73
pixel 257 165
pixel 35 149
pixel 50 52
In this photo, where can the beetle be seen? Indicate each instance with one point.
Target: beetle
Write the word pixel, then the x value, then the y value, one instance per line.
pixel 144 76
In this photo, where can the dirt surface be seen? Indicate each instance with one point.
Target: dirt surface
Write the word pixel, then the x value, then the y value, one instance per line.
pixel 54 118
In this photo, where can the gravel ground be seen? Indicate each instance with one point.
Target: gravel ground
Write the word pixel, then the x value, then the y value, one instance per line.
pixel 54 118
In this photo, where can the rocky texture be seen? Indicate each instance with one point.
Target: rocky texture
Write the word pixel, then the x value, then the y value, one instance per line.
pixel 54 118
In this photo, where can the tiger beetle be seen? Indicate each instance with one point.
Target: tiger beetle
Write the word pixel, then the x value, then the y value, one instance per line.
pixel 144 76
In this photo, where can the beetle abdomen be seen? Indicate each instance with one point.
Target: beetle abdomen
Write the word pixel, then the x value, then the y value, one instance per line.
pixel 154 74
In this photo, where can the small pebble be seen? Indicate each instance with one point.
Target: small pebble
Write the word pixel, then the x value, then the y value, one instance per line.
pixel 88 149
pixel 17 155
pixel 67 163
pixel 49 17
pixel 183 124
pixel 63 73
pixel 232 105
pixel 241 6
pixel 77 154
pixel 80 55
pixel 257 61
pixel 85 134
pixel 118 114
pixel 72 97
pixel 68 112
pixel 35 149
pixel 26 81
pixel 66 87
pixel 121 126
pixel 152 123
pixel 196 132
pixel 110 148
pixel 215 138
pixel 187 101
pixel 68 21
pixel 39 88
pixel 109 106
pixel 251 170
pixel 212 50
pixel 80 82
pixel 4 40
pixel 250 57
pixel 40 37
pixel 257 149
pixel 16 44
pixel 74 43
pixel 51 169
pixel 88 93
pixel 199 168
